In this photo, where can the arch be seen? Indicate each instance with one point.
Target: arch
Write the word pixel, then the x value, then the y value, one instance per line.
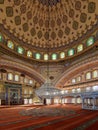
pixel 76 69
pixel 30 71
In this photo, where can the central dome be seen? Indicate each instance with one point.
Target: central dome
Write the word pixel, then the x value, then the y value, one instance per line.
pixel 58 23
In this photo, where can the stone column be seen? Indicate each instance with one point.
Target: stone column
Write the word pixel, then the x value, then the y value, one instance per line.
pixel 93 103
pixel 85 102
pixel 82 102
pixel 97 101
pixel 9 96
pixel 75 100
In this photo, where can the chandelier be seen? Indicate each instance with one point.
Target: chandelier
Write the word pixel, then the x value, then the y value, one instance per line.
pixel 47 90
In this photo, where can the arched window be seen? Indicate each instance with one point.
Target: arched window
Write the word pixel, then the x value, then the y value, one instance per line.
pixel 88 75
pixel 29 54
pixel 78 90
pixel 30 81
pixel 1 37
pixel 38 56
pixel 54 56
pixel 62 92
pixel 10 76
pixel 66 91
pixel 10 44
pixel 25 91
pixel 62 55
pixel 73 90
pixel 80 48
pixel 73 80
pixel 0 76
pixel 70 52
pixel 46 56
pixel 88 89
pixel 95 73
pixel 95 88
pixel 30 92
pixel 16 77
pixel 20 50
pixel 90 41
pixel 26 80
pixel 78 78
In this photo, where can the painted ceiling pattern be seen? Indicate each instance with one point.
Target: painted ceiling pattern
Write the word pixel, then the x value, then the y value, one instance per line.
pixel 48 23
pixel 49 2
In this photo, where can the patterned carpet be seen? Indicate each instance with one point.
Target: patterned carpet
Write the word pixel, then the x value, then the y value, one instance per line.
pixel 47 111
pixel 12 119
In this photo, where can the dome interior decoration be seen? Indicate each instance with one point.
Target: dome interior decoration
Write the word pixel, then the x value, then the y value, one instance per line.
pixel 59 23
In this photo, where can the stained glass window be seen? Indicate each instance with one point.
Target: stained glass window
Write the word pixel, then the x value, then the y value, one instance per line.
pixel 29 54
pixel 73 100
pixel 30 81
pixel 37 56
pixel 78 90
pixel 25 91
pixel 10 76
pixel 95 73
pixel 88 89
pixel 0 76
pixel 1 38
pixel 78 79
pixel 30 91
pixel 90 41
pixel 66 91
pixel 10 44
pixel 20 50
pixel 46 57
pixel 95 88
pixel 79 48
pixel 71 52
pixel 73 90
pixel 88 75
pixel 62 92
pixel 25 80
pixel 54 56
pixel 79 99
pixel 16 77
pixel 73 80
pixel 62 55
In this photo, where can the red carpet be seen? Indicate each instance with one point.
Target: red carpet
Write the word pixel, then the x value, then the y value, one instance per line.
pixel 10 119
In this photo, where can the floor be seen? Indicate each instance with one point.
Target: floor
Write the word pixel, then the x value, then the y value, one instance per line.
pixel 12 119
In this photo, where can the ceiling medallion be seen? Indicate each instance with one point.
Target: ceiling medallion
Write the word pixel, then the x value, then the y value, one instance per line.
pixel 49 2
